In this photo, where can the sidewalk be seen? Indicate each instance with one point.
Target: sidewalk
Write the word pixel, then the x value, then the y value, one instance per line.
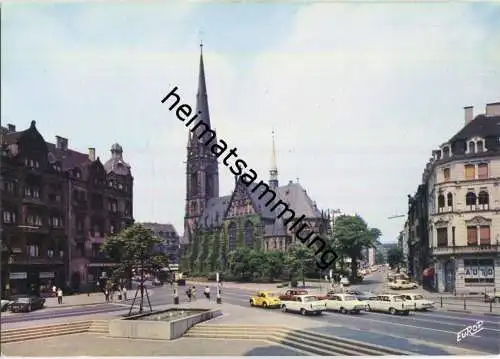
pixel 79 300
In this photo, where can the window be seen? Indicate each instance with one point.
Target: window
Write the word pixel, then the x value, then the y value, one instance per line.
pixel 446 152
pixel 480 147
pixel 472 147
pixel 35 192
pixel 446 174
pixel 50 253
pixel 442 237
pixel 37 164
pixel 470 172
pixel 33 250
pixel 449 200
pixel 27 192
pixel 478 271
pixel 111 229
pixel 484 235
pixel 482 171
pixel 483 200
pixel 470 200
pixel 9 187
pixel 440 201
pixel 472 236
pixel 9 217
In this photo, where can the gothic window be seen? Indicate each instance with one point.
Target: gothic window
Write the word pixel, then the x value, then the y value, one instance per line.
pixel 248 234
pixel 194 184
pixel 449 200
pixel 232 236
pixel 210 185
pixel 441 201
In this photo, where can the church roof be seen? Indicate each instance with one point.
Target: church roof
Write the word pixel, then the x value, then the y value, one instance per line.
pixel 298 200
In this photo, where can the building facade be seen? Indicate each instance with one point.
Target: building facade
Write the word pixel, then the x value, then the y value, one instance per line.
pixel 57 206
pixel 171 245
pixel 462 185
pixel 215 225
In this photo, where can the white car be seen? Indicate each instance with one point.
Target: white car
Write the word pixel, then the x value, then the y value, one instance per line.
pixel 403 284
pixel 344 303
pixel 345 281
pixel 304 304
pixel 4 304
pixel 418 301
pixel 389 303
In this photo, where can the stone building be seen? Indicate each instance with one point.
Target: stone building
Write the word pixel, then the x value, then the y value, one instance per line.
pixel 215 225
pixel 462 188
pixel 57 206
pixel 171 241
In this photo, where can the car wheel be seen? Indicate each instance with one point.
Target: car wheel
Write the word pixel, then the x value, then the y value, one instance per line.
pixel 368 308
pixel 251 303
pixel 343 311
pixel 283 309
pixel 356 311
pixel 264 305
pixel 303 311
pixel 392 311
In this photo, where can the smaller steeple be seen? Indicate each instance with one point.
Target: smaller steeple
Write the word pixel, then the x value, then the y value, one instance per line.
pixel 273 171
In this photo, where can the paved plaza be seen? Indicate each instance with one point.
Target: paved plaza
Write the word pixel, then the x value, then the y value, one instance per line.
pixel 100 345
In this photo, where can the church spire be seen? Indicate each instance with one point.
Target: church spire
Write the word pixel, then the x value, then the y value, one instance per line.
pixel 201 97
pixel 273 171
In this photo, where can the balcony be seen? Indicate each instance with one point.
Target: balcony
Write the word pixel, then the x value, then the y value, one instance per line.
pixel 24 259
pixel 34 201
pixel 485 248
pixel 33 228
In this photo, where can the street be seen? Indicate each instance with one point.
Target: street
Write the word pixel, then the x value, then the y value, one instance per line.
pixel 377 328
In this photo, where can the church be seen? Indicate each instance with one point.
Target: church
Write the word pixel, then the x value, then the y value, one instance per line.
pixel 215 225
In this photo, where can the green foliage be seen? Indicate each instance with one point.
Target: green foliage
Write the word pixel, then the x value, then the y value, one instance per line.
pixel 134 247
pixel 395 257
pixel 379 257
pixel 299 261
pixel 351 236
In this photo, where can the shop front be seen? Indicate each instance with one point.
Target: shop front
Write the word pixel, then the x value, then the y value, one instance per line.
pixel 37 281
pixel 476 274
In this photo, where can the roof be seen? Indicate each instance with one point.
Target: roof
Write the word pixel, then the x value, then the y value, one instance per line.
pixel 69 159
pixel 214 211
pixel 298 200
pixel 480 126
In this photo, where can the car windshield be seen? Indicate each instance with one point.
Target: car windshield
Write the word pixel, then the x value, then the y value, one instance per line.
pixel 418 297
pixel 23 300
pixel 310 299
pixel 349 297
pixel 397 299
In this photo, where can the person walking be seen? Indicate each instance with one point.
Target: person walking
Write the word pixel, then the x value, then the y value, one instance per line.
pixel 124 293
pixel 106 295
pixel 54 291
pixel 207 292
pixel 59 296
pixel 189 293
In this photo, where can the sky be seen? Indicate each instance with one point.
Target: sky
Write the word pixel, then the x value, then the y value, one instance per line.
pixel 358 94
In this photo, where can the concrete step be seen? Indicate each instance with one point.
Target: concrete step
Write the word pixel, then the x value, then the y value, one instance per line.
pixel 313 343
pixel 43 333
pixel 99 326
pixel 44 327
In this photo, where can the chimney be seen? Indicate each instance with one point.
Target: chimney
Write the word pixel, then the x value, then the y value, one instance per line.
pixel 91 154
pixel 11 127
pixel 61 143
pixel 469 114
pixel 493 109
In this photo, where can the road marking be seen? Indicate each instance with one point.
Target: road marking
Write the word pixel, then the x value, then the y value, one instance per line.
pixel 405 325
pixel 456 318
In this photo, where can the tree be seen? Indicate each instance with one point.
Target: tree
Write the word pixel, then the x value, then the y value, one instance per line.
pixel 351 236
pixel 299 260
pixel 134 248
pixel 395 257
pixel 379 257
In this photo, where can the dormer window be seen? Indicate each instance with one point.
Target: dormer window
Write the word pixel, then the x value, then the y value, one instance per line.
pixel 438 155
pixel 472 147
pixel 480 147
pixel 446 152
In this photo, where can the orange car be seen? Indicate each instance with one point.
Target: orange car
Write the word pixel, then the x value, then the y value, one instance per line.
pixel 289 294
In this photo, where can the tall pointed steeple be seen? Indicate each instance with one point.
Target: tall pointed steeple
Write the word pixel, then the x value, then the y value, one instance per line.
pixel 273 171
pixel 201 97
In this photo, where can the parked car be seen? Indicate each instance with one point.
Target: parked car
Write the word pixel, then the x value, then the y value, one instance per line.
pixel 403 284
pixel 4 304
pixel 344 303
pixel 418 301
pixel 492 297
pixel 304 304
pixel 289 294
pixel 265 299
pixel 345 281
pixel 360 295
pixel 27 304
pixel 389 303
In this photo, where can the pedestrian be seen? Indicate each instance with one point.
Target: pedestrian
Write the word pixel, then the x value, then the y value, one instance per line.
pixel 54 291
pixel 59 296
pixel 193 292
pixel 189 294
pixel 106 295
pixel 207 292
pixel 124 292
pixel 111 294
